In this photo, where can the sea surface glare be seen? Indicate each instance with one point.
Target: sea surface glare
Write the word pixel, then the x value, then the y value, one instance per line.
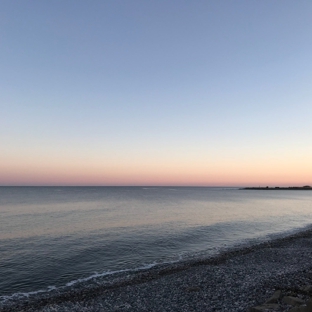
pixel 57 237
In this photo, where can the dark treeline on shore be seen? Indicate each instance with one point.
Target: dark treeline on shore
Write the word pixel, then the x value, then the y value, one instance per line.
pixel 293 188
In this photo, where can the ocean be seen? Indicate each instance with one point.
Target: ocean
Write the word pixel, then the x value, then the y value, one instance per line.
pixel 60 237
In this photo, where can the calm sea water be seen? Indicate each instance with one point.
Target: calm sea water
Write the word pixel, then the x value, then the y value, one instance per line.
pixel 56 236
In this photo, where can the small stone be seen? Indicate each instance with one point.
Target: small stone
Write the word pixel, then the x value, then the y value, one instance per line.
pixel 194 288
pixel 294 301
pixel 309 305
pixel 300 309
pixel 265 307
pixel 275 297
pixel 307 288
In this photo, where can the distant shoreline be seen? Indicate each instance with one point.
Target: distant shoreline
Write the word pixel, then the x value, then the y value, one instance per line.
pixel 277 188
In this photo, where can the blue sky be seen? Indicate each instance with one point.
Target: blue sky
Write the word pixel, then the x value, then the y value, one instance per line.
pixel 155 92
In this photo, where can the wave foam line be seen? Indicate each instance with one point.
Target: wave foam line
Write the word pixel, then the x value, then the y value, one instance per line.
pixel 21 295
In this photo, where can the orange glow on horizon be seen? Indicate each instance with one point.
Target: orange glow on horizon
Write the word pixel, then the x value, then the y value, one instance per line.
pixel 166 175
pixel 220 171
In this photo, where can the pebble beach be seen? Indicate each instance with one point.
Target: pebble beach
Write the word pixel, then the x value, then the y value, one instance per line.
pixel 240 279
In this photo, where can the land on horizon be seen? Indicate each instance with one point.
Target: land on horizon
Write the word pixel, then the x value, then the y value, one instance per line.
pixel 306 187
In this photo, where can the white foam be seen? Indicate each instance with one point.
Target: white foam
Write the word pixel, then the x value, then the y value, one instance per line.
pixel 26 294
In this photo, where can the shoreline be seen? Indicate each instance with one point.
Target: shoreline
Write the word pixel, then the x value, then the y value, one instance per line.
pixel 230 281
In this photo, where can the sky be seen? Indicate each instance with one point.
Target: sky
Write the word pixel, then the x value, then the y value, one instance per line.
pixel 198 93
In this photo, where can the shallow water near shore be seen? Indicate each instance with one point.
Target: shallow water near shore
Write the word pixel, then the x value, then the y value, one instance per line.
pixel 51 237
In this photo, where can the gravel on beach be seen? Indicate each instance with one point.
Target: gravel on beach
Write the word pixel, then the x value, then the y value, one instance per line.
pixel 232 281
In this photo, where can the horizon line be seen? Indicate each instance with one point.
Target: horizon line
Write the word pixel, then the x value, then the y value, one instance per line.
pixel 121 186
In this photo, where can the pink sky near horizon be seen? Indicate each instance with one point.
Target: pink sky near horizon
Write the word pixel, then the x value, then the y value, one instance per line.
pixel 161 173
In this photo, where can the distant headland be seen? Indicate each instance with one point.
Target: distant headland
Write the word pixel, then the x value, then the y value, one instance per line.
pixel 277 188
